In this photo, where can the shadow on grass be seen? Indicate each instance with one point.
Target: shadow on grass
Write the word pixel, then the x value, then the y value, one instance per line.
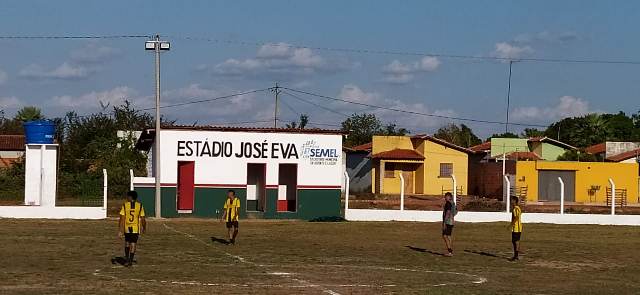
pixel 218 240
pixel 423 250
pixel 487 254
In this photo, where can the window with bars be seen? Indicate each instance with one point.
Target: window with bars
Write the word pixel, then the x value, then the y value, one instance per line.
pixel 446 169
pixel 389 170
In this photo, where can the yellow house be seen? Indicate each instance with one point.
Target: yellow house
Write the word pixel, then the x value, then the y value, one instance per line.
pixel 425 162
pixel 585 182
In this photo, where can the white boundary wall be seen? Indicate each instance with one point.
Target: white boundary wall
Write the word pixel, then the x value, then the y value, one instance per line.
pixel 467 216
pixel 52 212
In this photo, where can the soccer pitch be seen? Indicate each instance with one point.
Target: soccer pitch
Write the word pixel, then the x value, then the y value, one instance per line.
pixel 296 257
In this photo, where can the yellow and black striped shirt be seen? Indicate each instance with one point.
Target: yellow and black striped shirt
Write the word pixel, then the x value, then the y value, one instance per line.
pixel 516 219
pixel 132 213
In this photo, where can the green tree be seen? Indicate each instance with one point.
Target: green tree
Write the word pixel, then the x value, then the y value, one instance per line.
pixel 301 124
pixel 362 127
pixel 458 135
pixel 29 114
pixel 503 135
pixel 573 155
pixel 532 132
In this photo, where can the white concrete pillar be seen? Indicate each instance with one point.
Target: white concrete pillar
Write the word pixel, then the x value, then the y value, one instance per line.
pixel 401 192
pixel 613 196
pixel 346 192
pixel 507 183
pixel 561 195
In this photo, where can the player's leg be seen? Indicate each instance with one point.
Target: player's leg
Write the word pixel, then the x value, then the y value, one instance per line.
pixel 230 230
pixel 235 232
pixel 132 253
pixel 126 249
pixel 515 241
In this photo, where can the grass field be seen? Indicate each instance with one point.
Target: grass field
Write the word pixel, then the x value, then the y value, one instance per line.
pixel 295 257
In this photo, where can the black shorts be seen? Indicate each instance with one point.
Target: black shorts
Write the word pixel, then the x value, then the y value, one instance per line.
pixel 131 238
pixel 231 224
pixel 447 230
pixel 515 237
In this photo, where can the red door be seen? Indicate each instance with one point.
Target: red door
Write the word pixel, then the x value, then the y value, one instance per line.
pixel 185 185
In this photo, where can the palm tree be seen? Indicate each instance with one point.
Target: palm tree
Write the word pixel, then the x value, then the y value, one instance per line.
pixel 29 114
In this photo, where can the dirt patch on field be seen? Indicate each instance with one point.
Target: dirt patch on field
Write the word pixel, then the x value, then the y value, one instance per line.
pixel 568 266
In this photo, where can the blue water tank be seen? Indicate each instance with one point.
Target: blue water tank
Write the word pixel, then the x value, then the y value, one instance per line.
pixel 39 131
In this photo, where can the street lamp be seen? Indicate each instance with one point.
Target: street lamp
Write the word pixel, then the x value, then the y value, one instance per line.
pixel 157 46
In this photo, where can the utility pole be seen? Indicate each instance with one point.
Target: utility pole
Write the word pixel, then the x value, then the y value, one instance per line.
pixel 276 90
pixel 506 126
pixel 156 45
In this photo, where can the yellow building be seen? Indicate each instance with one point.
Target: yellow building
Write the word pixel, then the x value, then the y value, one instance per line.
pixel 425 162
pixel 585 182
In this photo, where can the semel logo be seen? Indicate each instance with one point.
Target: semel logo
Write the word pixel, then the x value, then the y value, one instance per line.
pixel 318 155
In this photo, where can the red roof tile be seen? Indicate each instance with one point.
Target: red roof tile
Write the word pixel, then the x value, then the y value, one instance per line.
pixel 362 147
pixel 624 156
pixel 485 146
pixel 399 154
pixel 597 148
pixel 11 142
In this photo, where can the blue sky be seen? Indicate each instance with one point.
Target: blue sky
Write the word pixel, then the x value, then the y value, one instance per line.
pixel 65 75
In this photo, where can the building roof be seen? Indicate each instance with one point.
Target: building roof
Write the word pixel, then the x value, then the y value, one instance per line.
pixel 552 141
pixel 597 148
pixel 624 156
pixel 12 142
pixel 445 143
pixel 146 139
pixel 363 147
pixel 399 154
pixel 483 147
pixel 252 129
pixel 532 156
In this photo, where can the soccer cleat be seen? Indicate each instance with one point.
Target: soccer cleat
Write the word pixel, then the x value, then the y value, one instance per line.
pixel 448 254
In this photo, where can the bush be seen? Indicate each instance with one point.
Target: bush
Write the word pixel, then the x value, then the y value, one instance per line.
pixel 484 205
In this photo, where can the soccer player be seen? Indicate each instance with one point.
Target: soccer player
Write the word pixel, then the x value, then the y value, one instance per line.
pixel 231 214
pixel 516 227
pixel 448 214
pixel 132 224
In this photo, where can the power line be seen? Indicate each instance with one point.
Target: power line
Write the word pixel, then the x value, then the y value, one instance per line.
pixel 206 100
pixel 315 104
pixel 409 112
pixel 290 107
pixel 409 53
pixel 78 37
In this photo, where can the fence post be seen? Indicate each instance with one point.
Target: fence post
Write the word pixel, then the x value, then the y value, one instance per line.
pixel 613 196
pixel 561 195
pixel 455 189
pixel 401 192
pixel 346 192
pixel 508 185
pixel 131 179
pixel 104 190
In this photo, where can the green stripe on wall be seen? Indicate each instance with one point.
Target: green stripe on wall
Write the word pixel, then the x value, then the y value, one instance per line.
pixel 312 203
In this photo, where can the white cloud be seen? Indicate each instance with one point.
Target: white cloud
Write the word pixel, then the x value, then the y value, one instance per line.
pixel 10 102
pixel 511 51
pixel 227 109
pixel 65 71
pixel 92 101
pixel 546 37
pixel 415 123
pixel 567 106
pixel 280 61
pixel 3 77
pixel 94 52
pixel 402 73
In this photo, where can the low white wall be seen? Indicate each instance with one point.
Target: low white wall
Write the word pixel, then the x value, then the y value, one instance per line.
pixel 466 216
pixel 52 212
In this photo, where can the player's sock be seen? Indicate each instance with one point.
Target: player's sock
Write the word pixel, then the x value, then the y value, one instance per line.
pixel 515 255
pixel 131 257
pixel 450 250
pixel 126 252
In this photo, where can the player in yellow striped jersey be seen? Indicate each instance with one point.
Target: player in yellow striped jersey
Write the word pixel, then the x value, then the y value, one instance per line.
pixel 132 224
pixel 516 227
